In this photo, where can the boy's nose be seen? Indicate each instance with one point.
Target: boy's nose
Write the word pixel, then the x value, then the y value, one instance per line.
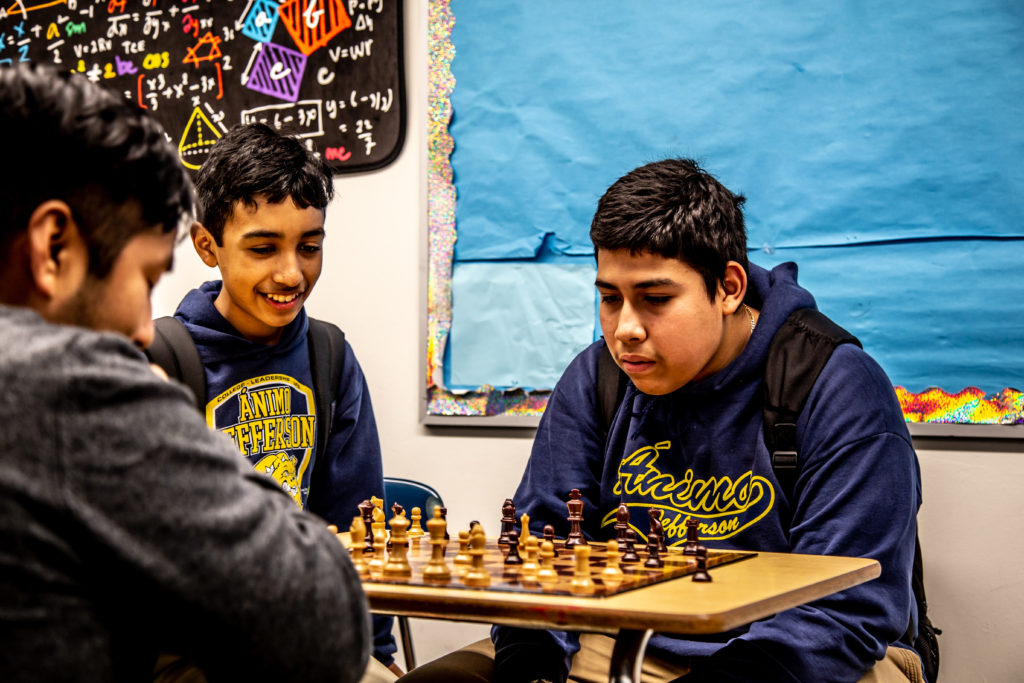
pixel 144 333
pixel 288 273
pixel 629 328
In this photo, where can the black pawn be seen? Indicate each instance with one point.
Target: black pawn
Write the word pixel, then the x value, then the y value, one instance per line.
pixel 513 548
pixel 654 560
pixel 629 555
pixel 702 565
pixel 549 535
pixel 690 547
pixel 444 516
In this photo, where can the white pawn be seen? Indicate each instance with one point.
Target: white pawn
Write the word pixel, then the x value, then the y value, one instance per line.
pixel 612 575
pixel 547 574
pixel 581 581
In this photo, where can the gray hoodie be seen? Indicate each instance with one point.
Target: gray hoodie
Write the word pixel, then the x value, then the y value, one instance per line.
pixel 128 528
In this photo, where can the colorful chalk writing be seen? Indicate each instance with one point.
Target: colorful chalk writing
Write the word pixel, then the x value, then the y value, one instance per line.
pixel 327 71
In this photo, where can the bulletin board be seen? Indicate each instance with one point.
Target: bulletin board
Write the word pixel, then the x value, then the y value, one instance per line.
pixel 878 146
pixel 329 72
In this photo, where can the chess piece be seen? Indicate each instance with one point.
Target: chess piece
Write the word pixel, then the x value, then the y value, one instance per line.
pixel 549 535
pixel 654 560
pixel 366 509
pixel 692 541
pixel 462 558
pixel 612 575
pixel 444 516
pixel 477 575
pixel 415 530
pixel 530 566
pixel 656 527
pixel 357 530
pixel 378 508
pixel 547 574
pixel 581 581
pixel 508 520
pixel 376 564
pixel 575 518
pixel 524 525
pixel 621 524
pixel 396 511
pixel 397 565
pixel 436 569
pixel 701 575
pixel 629 555
pixel 513 548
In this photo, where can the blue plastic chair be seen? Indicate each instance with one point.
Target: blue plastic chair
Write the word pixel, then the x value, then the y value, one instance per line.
pixel 409 494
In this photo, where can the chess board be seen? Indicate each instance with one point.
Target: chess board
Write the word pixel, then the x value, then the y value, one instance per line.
pixel 510 578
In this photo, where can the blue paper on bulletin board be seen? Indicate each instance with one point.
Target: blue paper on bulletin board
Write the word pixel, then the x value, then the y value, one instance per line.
pixel 845 123
pixel 528 322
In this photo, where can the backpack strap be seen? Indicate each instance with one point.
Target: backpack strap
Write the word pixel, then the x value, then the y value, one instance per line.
pixel 611 388
pixel 326 344
pixel 174 350
pixel 798 352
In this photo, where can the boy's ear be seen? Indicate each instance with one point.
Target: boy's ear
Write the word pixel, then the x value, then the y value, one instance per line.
pixel 204 244
pixel 734 287
pixel 56 252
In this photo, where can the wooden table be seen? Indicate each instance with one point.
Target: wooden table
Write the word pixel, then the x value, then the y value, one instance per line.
pixel 740 593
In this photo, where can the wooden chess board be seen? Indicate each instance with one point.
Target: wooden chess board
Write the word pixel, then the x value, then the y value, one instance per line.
pixel 509 578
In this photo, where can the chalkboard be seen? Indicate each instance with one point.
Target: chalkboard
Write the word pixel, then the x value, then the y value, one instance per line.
pixel 327 71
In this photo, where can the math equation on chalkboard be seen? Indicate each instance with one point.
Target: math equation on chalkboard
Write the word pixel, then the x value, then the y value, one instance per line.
pixel 329 72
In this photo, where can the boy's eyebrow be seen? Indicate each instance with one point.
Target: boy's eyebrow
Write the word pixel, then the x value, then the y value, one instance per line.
pixel 643 284
pixel 264 234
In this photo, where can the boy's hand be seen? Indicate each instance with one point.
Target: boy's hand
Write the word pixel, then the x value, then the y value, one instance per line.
pixel 159 372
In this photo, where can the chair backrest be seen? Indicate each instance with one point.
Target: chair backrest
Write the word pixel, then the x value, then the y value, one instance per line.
pixel 410 494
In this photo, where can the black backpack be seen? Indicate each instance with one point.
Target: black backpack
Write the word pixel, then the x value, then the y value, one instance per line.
pixel 174 350
pixel 798 352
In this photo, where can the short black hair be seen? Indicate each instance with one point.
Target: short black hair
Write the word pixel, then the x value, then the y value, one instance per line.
pixel 675 209
pixel 70 139
pixel 253 160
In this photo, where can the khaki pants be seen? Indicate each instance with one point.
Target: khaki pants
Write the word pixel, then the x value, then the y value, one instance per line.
pixel 475 663
pixel 173 669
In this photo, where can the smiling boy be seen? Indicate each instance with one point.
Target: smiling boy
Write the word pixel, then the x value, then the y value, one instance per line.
pixel 262 200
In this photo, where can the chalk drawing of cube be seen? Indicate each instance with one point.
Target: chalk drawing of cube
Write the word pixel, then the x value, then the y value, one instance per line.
pixel 277 71
pixel 261 21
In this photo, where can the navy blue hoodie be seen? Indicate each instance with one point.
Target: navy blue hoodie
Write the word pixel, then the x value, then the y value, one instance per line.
pixel 261 396
pixel 699 452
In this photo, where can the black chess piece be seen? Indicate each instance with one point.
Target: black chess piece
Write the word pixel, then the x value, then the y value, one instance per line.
pixel 657 528
pixel 621 525
pixel 629 555
pixel 549 535
pixel 513 548
pixel 701 575
pixel 444 516
pixel 366 510
pixel 575 518
pixel 654 560
pixel 508 520
pixel 690 546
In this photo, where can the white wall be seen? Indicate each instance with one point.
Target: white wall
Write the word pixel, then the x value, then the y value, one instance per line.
pixel 373 286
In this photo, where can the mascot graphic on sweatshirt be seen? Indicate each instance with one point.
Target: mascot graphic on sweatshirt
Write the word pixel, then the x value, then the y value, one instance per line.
pixel 272 421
